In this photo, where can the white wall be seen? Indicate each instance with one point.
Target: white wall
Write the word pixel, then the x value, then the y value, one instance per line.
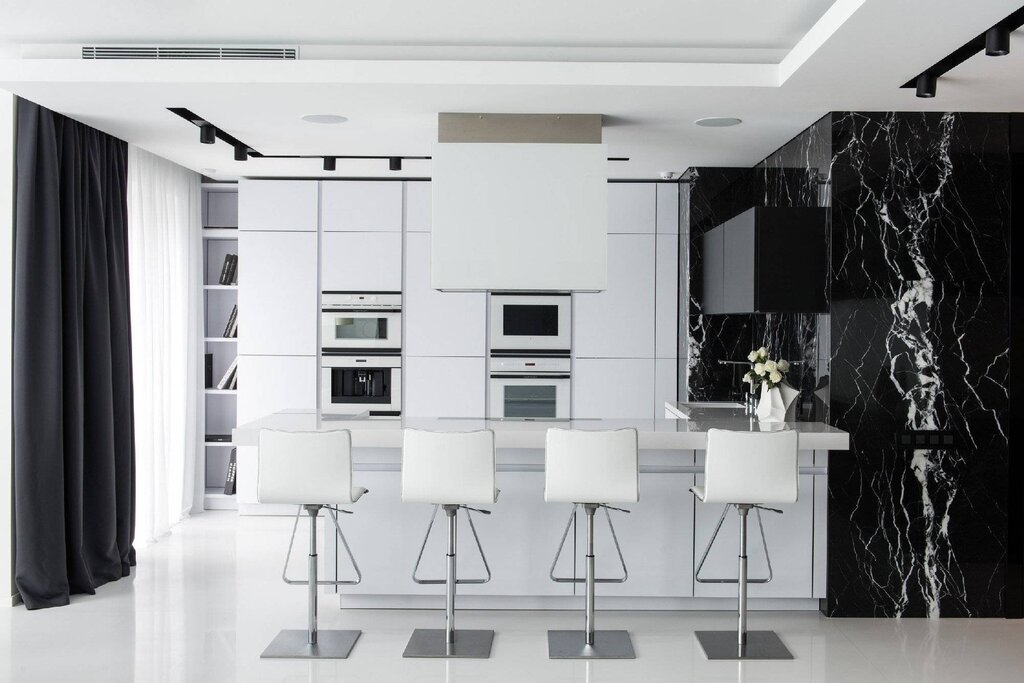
pixel 6 294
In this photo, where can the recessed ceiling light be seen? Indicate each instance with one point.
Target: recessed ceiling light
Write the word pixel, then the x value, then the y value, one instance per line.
pixel 324 118
pixel 718 121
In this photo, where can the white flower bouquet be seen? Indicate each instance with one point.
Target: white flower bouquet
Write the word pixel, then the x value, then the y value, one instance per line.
pixel 764 370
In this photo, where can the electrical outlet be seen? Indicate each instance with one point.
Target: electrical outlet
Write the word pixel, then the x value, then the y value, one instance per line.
pixel 914 439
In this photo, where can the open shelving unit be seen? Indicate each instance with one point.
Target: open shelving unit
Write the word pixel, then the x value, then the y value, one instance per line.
pixel 219 406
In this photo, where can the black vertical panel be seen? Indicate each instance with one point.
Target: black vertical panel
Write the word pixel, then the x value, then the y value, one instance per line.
pixel 1015 465
pixel 73 424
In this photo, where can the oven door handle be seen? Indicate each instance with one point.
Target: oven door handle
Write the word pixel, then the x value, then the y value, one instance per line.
pixel 506 375
pixel 361 310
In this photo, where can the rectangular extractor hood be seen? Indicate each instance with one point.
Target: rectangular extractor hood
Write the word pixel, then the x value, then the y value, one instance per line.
pixel 514 216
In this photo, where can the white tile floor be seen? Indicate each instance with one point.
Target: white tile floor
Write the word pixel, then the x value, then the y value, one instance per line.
pixel 205 602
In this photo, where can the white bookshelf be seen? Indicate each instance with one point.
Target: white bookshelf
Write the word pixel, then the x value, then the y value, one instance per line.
pixel 219 406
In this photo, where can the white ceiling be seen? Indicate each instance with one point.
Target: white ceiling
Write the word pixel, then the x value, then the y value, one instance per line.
pixel 390 65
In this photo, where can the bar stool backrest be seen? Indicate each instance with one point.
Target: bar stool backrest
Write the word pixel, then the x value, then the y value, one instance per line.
pixel 751 467
pixel 591 466
pixel 305 468
pixel 448 468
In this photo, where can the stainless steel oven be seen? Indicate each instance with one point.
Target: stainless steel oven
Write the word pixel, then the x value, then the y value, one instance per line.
pixel 529 387
pixel 351 384
pixel 359 321
pixel 531 322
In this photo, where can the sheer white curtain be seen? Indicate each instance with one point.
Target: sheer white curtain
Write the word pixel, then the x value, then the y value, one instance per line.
pixel 165 277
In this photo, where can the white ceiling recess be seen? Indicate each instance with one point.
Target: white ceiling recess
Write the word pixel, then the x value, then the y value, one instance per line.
pixel 652 67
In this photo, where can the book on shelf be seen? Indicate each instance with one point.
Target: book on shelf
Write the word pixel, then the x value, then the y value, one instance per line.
pixel 231 329
pixel 208 376
pixel 233 384
pixel 233 279
pixel 232 473
pixel 225 271
pixel 229 374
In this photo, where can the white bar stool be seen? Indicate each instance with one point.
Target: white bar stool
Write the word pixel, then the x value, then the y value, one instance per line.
pixel 592 469
pixel 451 470
pixel 746 470
pixel 312 470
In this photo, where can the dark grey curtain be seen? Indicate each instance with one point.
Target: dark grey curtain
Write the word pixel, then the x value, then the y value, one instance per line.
pixel 74 454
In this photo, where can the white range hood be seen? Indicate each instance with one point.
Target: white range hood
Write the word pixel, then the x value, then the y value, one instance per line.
pixel 519 217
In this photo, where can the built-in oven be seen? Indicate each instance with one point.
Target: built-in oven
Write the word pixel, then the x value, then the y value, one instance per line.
pixel 352 384
pixel 357 321
pixel 531 322
pixel 529 387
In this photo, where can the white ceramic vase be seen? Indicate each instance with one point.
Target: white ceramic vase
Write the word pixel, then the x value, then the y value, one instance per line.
pixel 777 404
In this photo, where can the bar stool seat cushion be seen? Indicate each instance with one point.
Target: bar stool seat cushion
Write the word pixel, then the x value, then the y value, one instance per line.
pixel 448 468
pixel 591 466
pixel 306 468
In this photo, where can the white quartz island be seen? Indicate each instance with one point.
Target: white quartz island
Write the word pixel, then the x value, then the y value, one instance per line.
pixel 659 539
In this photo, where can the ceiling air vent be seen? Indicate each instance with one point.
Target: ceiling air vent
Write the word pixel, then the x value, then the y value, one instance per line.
pixel 193 52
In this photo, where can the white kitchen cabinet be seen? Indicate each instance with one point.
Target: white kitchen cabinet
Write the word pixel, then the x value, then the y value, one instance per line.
pixel 439 323
pixel 444 387
pixel 361 262
pixel 613 388
pixel 666 296
pixel 619 322
pixel 655 546
pixel 668 208
pixel 790 545
pixel 632 208
pixel 417 206
pixel 267 384
pixel 278 309
pixel 666 384
pixel 362 205
pixel 278 205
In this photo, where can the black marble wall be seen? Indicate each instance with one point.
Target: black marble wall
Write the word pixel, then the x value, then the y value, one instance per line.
pixel 795 175
pixel 917 337
pixel 920 340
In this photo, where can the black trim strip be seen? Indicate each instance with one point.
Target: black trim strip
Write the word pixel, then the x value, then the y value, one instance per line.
pixel 512 375
pixel 360 352
pixel 528 353
pixel 368 309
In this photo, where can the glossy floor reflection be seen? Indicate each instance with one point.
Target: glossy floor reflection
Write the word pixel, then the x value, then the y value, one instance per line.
pixel 205 601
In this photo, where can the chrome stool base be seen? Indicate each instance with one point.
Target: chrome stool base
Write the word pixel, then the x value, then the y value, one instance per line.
pixel 759 645
pixel 431 643
pixel 293 644
pixel 607 645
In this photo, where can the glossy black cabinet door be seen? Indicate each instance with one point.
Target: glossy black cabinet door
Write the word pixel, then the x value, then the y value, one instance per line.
pixel 767 260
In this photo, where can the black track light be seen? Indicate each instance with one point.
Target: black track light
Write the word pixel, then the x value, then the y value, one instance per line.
pixel 241 153
pixel 330 163
pixel 207 133
pixel 997 41
pixel 395 163
pixel 926 84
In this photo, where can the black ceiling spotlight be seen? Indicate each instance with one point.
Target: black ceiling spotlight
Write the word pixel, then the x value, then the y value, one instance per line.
pixel 330 163
pixel 926 84
pixel 395 163
pixel 207 133
pixel 997 41
pixel 241 152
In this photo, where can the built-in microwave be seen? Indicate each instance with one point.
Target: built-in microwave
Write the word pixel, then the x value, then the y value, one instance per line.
pixel 531 322
pixel 529 388
pixel 357 321
pixel 352 384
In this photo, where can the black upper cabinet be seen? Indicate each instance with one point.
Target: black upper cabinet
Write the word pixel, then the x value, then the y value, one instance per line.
pixel 767 260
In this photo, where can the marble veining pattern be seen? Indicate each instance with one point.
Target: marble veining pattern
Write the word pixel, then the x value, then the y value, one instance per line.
pixel 919 256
